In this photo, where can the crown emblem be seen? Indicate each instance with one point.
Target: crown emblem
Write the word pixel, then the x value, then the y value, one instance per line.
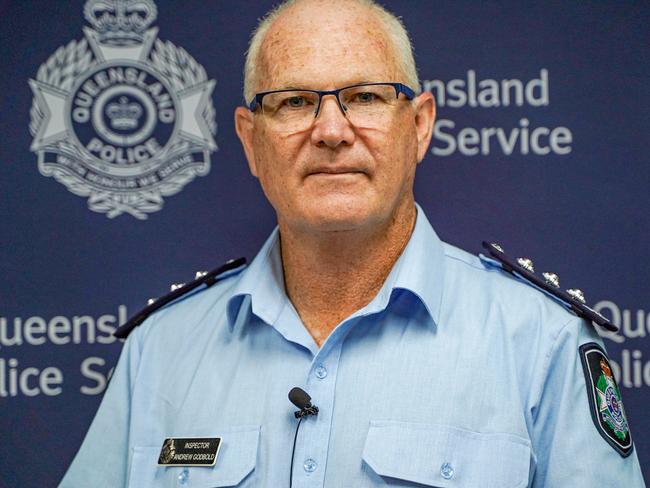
pixel 120 21
pixel 124 115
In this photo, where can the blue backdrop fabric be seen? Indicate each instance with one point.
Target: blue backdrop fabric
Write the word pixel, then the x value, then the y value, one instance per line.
pixel 122 174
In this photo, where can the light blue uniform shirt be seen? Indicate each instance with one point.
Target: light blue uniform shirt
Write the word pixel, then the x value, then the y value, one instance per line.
pixel 454 375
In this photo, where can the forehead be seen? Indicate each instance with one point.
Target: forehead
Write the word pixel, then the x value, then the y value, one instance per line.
pixel 316 44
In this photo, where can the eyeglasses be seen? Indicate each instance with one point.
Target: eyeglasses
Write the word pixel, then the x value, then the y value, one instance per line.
pixel 365 105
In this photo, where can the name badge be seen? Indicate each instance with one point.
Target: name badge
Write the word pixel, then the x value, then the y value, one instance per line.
pixel 194 451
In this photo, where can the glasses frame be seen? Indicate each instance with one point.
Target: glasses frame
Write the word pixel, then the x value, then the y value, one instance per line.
pixel 399 88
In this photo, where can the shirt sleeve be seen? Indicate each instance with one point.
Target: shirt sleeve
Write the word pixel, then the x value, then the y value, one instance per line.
pixel 569 448
pixel 103 458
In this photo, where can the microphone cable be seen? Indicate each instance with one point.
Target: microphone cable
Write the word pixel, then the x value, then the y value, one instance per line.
pixel 293 452
pixel 302 400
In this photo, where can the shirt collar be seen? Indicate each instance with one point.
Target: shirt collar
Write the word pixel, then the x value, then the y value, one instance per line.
pixel 263 280
pixel 419 270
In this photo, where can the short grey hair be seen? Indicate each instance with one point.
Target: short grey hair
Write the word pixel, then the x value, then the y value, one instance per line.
pixel 394 29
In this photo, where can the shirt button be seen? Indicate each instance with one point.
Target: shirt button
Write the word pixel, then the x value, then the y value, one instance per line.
pixel 310 465
pixel 447 471
pixel 184 476
pixel 321 372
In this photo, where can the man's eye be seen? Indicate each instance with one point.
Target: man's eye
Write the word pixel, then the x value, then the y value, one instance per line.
pixel 365 97
pixel 295 102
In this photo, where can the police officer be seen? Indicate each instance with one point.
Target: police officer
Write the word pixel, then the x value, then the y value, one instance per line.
pixel 429 366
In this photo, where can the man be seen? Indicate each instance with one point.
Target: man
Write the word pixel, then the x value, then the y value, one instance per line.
pixel 429 366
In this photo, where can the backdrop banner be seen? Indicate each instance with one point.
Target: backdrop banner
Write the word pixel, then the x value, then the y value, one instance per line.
pixel 122 174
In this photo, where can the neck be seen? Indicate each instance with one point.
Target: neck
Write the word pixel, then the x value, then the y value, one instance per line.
pixel 330 275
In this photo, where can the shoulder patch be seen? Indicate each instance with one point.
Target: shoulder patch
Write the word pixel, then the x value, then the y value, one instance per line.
pixel 605 402
pixel 549 283
pixel 204 280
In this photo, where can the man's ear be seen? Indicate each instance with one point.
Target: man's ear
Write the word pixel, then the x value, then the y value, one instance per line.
pixel 425 116
pixel 244 128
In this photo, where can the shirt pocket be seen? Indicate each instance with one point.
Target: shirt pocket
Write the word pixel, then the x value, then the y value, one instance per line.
pixel 443 456
pixel 236 460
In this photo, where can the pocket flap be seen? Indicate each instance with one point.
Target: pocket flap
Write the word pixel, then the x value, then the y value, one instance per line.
pixel 236 460
pixel 444 456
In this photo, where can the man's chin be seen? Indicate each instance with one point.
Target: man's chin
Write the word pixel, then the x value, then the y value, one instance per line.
pixel 341 215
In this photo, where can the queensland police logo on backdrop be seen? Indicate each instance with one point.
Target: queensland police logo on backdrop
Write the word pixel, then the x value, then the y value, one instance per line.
pixel 122 117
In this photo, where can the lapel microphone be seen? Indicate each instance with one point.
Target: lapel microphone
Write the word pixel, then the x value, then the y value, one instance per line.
pixel 301 399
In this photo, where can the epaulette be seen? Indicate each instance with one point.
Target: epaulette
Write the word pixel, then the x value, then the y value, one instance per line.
pixel 178 290
pixel 572 298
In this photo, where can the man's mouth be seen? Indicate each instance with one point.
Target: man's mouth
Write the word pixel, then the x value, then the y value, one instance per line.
pixel 336 170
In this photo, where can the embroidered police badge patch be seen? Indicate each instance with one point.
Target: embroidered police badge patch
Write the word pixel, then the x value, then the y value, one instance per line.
pixel 605 400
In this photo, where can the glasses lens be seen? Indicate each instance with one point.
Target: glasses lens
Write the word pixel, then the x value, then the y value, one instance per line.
pixel 368 105
pixel 290 110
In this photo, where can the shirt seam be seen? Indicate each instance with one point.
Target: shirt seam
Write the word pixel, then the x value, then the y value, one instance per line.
pixel 460 260
pixel 547 366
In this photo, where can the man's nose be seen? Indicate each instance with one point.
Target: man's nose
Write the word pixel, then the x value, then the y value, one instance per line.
pixel 331 127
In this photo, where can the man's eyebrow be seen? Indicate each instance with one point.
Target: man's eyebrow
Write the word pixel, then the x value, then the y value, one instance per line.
pixel 294 85
pixel 290 85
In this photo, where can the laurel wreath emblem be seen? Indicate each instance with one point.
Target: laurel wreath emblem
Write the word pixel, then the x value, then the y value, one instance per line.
pixel 173 64
pixel 60 71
